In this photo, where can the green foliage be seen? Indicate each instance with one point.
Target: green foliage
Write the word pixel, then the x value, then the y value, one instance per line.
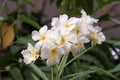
pixel 97 63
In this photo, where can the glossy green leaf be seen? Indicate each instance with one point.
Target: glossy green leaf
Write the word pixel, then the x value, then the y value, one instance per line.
pixel 28 21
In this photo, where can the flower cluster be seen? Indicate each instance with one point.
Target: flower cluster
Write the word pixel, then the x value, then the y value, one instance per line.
pixel 66 35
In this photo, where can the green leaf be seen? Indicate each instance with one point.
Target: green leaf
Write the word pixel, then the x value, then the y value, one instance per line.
pixel 28 21
pixel 28 74
pixel 102 3
pixel 25 40
pixel 62 63
pixel 113 42
pixel 91 59
pixel 5 60
pixel 77 57
pixel 114 20
pixel 104 17
pixel 87 5
pixel 103 72
pixel 35 77
pixel 28 2
pixel 79 74
pixel 16 73
pixel 116 69
pixel 38 71
pixel 73 12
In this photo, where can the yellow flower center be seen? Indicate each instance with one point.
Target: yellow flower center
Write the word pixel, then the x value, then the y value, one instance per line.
pixel 53 51
pixel 78 30
pixel 62 40
pixel 67 25
pixel 93 37
pixel 43 37
pixel 32 55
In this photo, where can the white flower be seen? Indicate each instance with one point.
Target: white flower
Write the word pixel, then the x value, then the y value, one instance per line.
pixel 86 19
pixel 52 53
pixel 96 36
pixel 78 46
pixel 43 36
pixel 31 53
pixel 80 29
pixel 63 24
pixel 64 40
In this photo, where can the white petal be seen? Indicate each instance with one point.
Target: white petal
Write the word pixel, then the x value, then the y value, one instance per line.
pixel 61 51
pixel 84 39
pixel 73 20
pixel 43 30
pixel 50 61
pixel 25 53
pixel 54 22
pixel 63 18
pixel 67 47
pixel 45 53
pixel 35 35
pixel 58 58
pixel 30 48
pixel 83 12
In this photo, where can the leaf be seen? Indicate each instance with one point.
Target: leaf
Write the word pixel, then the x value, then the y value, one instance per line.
pixel 87 5
pixel 35 77
pixel 16 73
pixel 8 35
pixel 113 42
pixel 102 3
pixel 103 72
pixel 77 57
pixel 116 69
pixel 62 63
pixel 5 60
pixel 104 17
pixel 28 2
pixel 28 74
pixel 25 40
pixel 79 74
pixel 28 21
pixel 114 20
pixel 38 71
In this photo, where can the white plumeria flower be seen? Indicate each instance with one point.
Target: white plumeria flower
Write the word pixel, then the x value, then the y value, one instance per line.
pixel 96 36
pixel 86 19
pixel 43 36
pixel 31 53
pixel 78 46
pixel 52 53
pixel 63 23
pixel 64 40
pixel 80 29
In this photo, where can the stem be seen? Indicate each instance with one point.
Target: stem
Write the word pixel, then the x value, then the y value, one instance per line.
pixel 52 72
pixel 76 57
pixel 62 63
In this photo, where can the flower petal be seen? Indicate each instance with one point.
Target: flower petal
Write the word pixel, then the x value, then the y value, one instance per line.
pixel 30 48
pixel 43 30
pixel 35 35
